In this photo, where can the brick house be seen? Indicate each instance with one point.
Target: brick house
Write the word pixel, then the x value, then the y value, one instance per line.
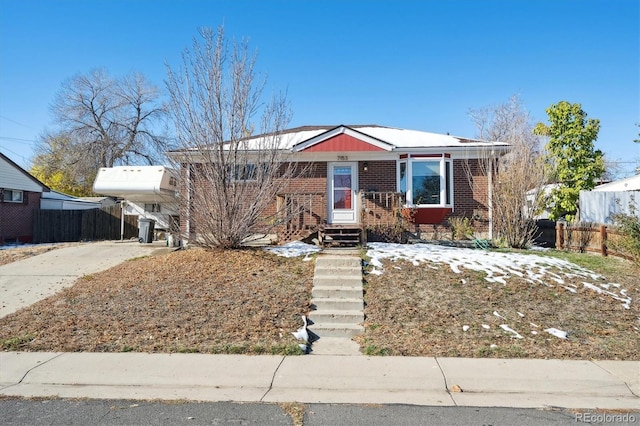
pixel 20 195
pixel 363 177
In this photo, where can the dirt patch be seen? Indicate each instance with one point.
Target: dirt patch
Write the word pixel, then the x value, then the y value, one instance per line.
pixel 244 301
pixel 427 310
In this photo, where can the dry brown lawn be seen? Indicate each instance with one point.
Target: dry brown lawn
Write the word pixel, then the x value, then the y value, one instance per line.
pixel 421 311
pixel 249 301
pixel 245 301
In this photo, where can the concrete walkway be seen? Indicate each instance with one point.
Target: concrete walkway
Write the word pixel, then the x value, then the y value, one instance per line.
pixel 338 303
pixel 324 379
pixel 27 281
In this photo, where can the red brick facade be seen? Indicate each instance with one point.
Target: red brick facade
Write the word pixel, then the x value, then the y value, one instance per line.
pixel 16 219
pixel 307 195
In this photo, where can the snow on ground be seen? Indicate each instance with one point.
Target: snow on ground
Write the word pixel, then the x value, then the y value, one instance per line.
pixel 498 267
pixel 294 249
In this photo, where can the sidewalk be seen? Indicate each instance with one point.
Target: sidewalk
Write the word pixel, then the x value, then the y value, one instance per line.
pixel 324 379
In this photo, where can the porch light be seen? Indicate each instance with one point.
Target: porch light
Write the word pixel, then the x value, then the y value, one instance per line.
pixel 365 166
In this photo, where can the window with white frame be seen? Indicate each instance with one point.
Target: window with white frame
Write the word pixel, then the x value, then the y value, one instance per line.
pixel 426 181
pixel 12 196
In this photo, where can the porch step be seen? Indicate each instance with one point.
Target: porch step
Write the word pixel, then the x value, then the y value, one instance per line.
pixel 341 236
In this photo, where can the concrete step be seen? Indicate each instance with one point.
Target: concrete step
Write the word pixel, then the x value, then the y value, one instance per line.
pixel 336 330
pixel 318 292
pixel 325 316
pixel 326 270
pixel 338 281
pixel 335 346
pixel 338 261
pixel 335 303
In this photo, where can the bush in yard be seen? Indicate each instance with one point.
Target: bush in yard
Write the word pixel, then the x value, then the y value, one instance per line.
pixel 628 225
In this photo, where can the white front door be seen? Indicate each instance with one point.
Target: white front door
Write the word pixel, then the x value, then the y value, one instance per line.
pixel 343 183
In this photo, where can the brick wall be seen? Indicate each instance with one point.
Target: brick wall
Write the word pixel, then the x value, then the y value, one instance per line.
pixel 380 176
pixel 16 219
pixel 470 199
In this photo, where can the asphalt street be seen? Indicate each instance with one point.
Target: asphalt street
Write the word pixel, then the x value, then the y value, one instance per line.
pixel 125 412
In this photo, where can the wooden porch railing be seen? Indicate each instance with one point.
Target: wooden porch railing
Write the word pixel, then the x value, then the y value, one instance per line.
pixel 302 213
pixel 381 208
pixel 302 210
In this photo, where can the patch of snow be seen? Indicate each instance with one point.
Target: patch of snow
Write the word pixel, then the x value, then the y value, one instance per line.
pixel 508 329
pixel 555 332
pixel 621 297
pixel 293 249
pixel 486 327
pixel 493 346
pixel 465 327
pixel 498 267
pixel 521 314
pixel 498 315
pixel 534 332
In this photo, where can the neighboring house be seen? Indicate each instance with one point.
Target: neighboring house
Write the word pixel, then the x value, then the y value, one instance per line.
pixel 149 192
pixel 20 197
pixel 54 200
pixel 620 196
pixel 362 174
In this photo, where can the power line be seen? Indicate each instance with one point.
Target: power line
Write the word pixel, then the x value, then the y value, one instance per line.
pixel 15 122
pixel 18 140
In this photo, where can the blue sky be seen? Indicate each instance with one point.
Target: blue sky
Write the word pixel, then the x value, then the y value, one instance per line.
pixel 413 64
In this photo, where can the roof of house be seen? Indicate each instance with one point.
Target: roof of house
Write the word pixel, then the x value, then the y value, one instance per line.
pixel 387 138
pixel 22 172
pixel 628 184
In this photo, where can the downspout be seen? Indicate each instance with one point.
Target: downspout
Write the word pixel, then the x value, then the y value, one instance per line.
pixel 122 207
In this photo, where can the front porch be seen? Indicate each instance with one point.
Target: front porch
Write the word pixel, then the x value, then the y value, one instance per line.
pixel 302 214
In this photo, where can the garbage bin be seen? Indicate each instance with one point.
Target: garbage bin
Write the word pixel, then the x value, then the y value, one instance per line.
pixel 145 230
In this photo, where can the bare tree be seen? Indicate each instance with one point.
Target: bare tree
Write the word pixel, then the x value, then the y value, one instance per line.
pixel 516 192
pixel 111 121
pixel 230 177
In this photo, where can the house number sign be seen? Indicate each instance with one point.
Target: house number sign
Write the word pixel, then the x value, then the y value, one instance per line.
pixel 342 158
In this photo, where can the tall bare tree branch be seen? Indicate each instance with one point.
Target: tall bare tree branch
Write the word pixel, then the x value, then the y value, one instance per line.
pixel 231 175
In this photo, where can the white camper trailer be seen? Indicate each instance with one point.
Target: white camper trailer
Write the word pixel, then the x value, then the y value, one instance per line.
pixel 148 191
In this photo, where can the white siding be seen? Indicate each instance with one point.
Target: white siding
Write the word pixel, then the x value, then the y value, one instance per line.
pixel 599 206
pixel 13 178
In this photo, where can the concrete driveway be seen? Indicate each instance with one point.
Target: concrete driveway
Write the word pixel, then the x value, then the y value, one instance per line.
pixel 27 281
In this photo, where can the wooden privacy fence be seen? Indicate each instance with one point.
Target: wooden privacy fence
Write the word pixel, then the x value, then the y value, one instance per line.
pixel 588 238
pixel 57 226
